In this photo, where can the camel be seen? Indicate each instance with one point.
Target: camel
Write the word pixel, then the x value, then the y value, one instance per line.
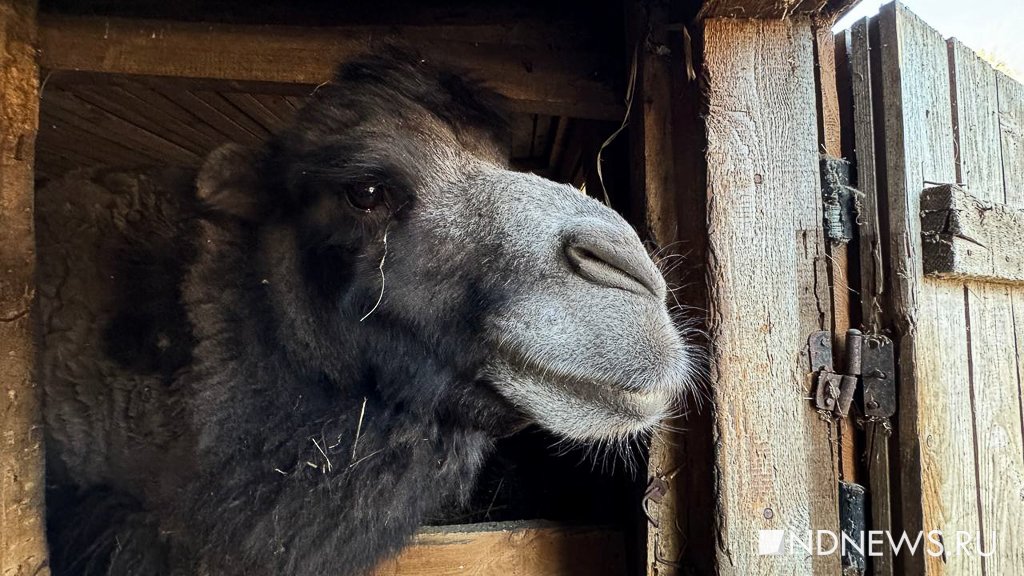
pixel 283 361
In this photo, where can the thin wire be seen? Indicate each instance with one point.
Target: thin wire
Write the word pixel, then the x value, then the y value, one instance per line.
pixel 625 122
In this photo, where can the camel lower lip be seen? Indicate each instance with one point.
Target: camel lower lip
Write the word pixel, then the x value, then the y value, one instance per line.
pixel 553 376
pixel 591 388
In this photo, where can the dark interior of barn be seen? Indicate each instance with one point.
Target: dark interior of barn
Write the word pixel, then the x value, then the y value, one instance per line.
pixel 575 120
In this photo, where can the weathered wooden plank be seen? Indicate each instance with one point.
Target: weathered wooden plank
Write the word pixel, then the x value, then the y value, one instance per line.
pixel 836 253
pixel 77 112
pixel 982 216
pixel 760 8
pixel 652 164
pixel 1011 131
pixel 170 112
pixel 1010 96
pixel 975 123
pixel 296 102
pixel 277 105
pixel 935 426
pixel 997 422
pixel 219 102
pixel 1011 136
pixel 58 134
pixel 970 238
pixel 180 104
pixel 254 110
pixel 515 548
pixel 119 103
pixel 873 282
pixel 536 76
pixel 773 462
pixel 872 271
pixel 22 534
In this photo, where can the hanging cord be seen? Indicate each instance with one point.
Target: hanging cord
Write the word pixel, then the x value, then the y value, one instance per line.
pixel 625 122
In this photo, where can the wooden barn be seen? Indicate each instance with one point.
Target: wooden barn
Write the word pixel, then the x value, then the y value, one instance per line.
pixel 846 208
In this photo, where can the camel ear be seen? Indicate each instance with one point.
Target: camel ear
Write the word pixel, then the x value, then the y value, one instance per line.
pixel 228 183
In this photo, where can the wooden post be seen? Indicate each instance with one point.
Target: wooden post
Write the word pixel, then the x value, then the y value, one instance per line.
pixel 774 456
pixel 652 208
pixel 668 180
pixel 22 535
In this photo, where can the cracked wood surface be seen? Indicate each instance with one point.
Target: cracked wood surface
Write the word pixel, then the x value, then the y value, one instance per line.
pixel 994 358
pixel 961 464
pixel 934 418
pixel 967 237
pixel 22 539
pixel 774 462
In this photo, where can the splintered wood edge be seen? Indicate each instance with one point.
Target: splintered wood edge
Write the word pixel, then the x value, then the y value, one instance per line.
pixel 964 237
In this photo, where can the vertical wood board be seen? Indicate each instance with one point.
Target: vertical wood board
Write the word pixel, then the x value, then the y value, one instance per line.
pixel 993 360
pixel 837 254
pixel 1011 133
pixel 959 399
pixel 768 291
pixel 653 178
pixel 1010 94
pixel 934 418
pixel 22 537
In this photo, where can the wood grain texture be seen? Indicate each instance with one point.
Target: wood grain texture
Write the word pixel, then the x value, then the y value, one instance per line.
pixel 760 8
pixel 510 549
pixel 995 230
pixel 1011 133
pixel 774 460
pixel 872 269
pixel 1011 137
pixel 873 293
pixel 935 424
pixel 76 112
pixel 537 77
pixel 975 123
pixel 652 171
pixel 1010 102
pixel 22 536
pixel 971 238
pixel 837 254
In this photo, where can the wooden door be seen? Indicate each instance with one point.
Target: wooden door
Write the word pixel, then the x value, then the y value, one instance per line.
pixel 940 140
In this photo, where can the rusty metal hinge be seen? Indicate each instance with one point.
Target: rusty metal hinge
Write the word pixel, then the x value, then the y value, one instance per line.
pixel 853 523
pixel 839 200
pixel 869 361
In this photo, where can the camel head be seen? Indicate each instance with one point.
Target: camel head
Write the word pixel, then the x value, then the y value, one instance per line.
pixel 458 280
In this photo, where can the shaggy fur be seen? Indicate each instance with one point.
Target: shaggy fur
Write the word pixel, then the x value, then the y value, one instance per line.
pixel 281 365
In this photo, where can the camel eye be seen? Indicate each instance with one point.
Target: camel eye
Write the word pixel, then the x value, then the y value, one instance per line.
pixel 366 198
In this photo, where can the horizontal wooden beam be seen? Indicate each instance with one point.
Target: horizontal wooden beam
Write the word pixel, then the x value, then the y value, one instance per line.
pixel 537 77
pixel 964 237
pixel 772 8
pixel 521 548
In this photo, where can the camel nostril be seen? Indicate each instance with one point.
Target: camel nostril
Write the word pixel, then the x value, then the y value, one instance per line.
pixel 616 262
